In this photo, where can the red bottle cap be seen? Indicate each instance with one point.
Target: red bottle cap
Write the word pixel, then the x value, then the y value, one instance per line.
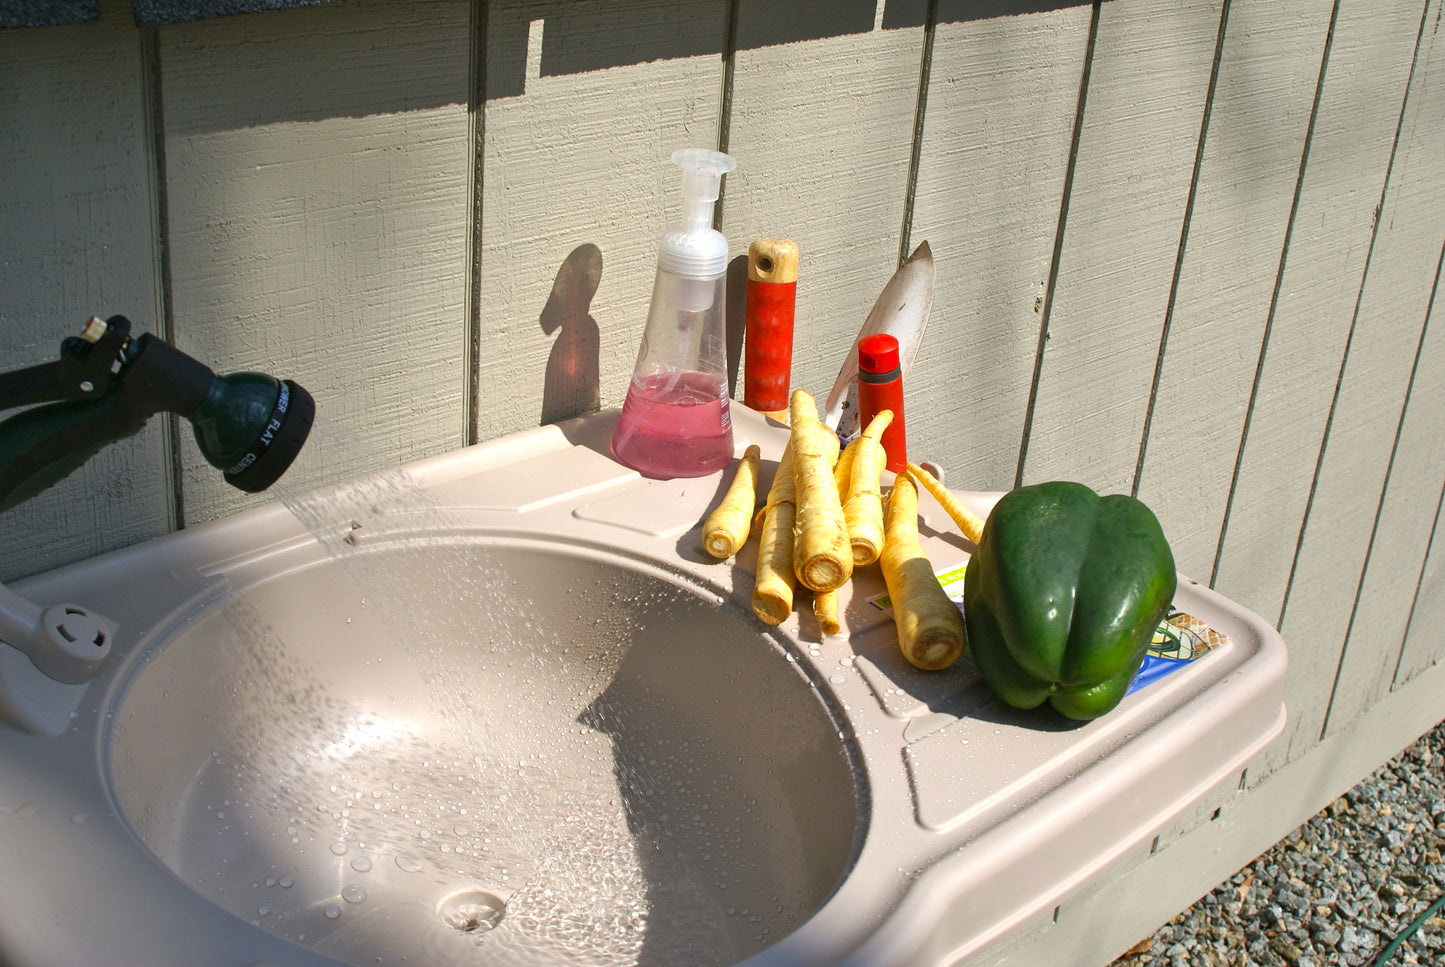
pixel 878 353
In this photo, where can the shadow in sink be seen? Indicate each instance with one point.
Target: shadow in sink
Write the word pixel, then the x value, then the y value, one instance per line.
pixel 740 800
pixel 422 747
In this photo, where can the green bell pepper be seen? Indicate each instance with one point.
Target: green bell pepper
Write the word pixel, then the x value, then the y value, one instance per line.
pixel 1063 594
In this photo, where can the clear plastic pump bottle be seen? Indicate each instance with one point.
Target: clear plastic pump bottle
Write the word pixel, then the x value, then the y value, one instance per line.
pixel 675 421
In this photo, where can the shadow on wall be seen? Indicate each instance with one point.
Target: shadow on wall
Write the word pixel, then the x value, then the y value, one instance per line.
pixel 362 69
pixel 571 387
pixel 582 37
pixel 735 321
pixel 828 17
pixel 575 38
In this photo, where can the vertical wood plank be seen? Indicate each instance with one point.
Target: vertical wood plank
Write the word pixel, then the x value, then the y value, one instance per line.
pixel 823 145
pixel 1424 645
pixel 317 164
pixel 585 104
pixel 1400 539
pixel 1366 413
pixel 1133 168
pixel 1358 111
pixel 1002 101
pixel 1268 70
pixel 1408 522
pixel 76 240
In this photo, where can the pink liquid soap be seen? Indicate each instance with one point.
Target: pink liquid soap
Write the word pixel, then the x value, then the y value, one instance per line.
pixel 682 430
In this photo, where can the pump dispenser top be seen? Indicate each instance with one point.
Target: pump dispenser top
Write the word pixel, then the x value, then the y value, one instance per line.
pixel 693 249
pixel 675 420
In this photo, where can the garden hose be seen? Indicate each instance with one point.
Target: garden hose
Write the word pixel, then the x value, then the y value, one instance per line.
pixel 1408 932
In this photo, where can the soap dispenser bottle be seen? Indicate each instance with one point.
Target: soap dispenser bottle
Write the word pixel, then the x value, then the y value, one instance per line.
pixel 675 420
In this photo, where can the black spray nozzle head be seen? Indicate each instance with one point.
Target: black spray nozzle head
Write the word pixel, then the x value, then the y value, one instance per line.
pixel 251 426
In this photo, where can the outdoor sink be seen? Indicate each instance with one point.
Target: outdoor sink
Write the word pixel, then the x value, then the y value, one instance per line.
pixel 499 708
pixel 606 761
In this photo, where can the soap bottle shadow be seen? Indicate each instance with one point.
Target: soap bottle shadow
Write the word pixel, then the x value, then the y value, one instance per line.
pixel 571 387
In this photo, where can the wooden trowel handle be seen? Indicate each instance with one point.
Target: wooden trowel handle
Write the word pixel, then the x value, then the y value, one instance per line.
pixel 768 333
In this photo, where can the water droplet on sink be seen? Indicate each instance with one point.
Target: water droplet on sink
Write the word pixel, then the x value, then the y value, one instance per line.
pixel 353 893
pixel 332 911
pixel 338 849
pixel 286 882
pixel 361 864
pixel 409 864
pixel 472 911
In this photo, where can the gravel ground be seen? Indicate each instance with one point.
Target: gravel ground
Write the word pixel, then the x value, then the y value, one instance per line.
pixel 1337 890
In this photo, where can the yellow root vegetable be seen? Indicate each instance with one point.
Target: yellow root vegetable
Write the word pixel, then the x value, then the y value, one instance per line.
pixel 726 528
pixel 970 523
pixel 825 603
pixel 825 609
pixel 822 554
pixel 843 469
pixel 930 626
pixel 774 582
pixel 863 499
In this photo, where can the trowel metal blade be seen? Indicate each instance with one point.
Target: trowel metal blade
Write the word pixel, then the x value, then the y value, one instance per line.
pixel 902 312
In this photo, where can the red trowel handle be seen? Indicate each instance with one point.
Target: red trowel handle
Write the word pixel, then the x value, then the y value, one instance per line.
pixel 768 353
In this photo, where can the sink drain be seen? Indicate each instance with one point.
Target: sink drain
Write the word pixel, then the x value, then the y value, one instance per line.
pixel 472 911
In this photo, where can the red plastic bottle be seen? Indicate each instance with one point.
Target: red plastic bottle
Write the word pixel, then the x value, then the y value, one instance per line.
pixel 880 387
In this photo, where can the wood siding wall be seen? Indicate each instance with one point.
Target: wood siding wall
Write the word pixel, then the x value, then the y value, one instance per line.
pixel 1189 249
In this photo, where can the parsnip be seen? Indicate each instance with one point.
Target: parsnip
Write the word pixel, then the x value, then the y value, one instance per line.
pixel 970 523
pixel 822 555
pixel 774 582
pixel 825 603
pixel 843 469
pixel 863 500
pixel 930 626
pixel 825 609
pixel 726 528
